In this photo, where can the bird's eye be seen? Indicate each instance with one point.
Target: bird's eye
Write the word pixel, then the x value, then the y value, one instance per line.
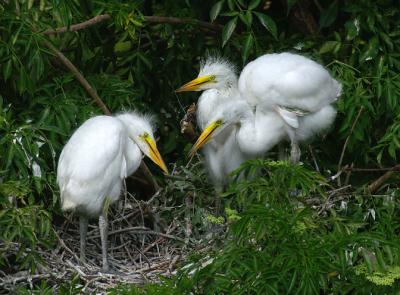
pixel 144 135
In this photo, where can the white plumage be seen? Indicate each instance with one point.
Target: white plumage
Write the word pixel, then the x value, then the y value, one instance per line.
pixel 300 90
pixel 93 164
pixel 219 81
pixel 290 80
pixel 287 95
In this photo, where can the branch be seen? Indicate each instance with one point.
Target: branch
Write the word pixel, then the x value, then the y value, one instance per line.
pixel 151 19
pixel 377 184
pixel 184 20
pixel 80 26
pixel 79 77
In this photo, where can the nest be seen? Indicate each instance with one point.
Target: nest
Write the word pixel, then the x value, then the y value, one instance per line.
pixel 141 248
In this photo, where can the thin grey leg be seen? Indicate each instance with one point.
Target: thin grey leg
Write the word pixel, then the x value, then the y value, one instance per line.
pixel 295 153
pixel 103 226
pixel 281 152
pixel 83 226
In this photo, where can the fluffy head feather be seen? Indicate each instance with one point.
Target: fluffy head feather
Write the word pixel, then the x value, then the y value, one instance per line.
pixel 223 71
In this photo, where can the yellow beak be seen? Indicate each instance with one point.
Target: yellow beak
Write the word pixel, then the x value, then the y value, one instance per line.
pixel 154 154
pixel 205 136
pixel 196 83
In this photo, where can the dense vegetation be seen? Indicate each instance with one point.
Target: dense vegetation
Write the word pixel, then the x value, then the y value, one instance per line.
pixel 290 229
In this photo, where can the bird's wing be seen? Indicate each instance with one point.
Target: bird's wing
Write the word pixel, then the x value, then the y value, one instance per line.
pixel 289 116
pixel 94 148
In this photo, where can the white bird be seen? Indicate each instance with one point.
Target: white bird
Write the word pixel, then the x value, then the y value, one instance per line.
pixel 297 89
pixel 93 164
pixel 218 81
pixel 253 134
pixel 300 90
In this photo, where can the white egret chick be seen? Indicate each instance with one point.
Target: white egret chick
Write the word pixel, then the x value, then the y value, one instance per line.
pixel 218 81
pixel 254 135
pixel 295 87
pixel 93 164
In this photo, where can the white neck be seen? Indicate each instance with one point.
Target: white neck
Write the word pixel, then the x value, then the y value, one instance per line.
pixel 259 133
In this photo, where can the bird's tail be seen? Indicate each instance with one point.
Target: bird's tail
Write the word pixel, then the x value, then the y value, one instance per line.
pixel 66 204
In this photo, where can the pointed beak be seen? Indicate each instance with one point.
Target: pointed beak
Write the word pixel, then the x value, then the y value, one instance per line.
pixel 196 83
pixel 205 137
pixel 154 154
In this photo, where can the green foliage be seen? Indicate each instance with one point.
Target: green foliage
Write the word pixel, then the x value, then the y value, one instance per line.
pixel 280 244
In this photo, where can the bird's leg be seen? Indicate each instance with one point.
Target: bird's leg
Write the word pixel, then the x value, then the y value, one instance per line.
pixel 103 226
pixel 281 152
pixel 83 226
pixel 295 153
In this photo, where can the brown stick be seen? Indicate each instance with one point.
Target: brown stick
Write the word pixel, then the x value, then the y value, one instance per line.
pixel 95 20
pixel 377 184
pixel 79 77
pixel 184 20
pixel 151 19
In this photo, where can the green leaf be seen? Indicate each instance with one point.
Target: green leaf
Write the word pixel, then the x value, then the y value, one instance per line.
pixel 329 15
pixel 229 28
pixel 352 28
pixel 248 45
pixel 253 4
pixel 371 50
pixel 247 18
pixel 268 23
pixel 216 9
pixel 329 46
pixel 7 69
pixel 231 4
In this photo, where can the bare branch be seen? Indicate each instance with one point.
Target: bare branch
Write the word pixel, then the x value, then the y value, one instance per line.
pixel 95 20
pixel 377 184
pixel 150 19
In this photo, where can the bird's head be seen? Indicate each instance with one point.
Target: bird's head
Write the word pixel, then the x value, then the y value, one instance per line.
pixel 229 114
pixel 215 73
pixel 141 132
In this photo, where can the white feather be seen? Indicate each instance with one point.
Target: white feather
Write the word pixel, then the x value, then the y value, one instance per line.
pixel 96 159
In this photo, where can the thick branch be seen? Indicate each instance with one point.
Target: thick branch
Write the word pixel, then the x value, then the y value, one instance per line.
pixel 377 184
pixel 150 19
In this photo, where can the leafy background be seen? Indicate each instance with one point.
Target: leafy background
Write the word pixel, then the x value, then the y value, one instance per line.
pixel 135 60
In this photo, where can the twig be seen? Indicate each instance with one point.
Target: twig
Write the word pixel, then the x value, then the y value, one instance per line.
pixel 80 26
pixel 347 140
pixel 184 20
pixel 79 77
pixel 150 19
pixel 394 168
pixel 374 186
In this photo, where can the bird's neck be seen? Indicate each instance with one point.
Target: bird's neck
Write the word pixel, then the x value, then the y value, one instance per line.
pixel 258 133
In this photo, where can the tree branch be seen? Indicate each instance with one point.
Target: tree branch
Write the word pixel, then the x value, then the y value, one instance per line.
pixel 150 19
pixel 79 77
pixel 377 184
pixel 80 26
